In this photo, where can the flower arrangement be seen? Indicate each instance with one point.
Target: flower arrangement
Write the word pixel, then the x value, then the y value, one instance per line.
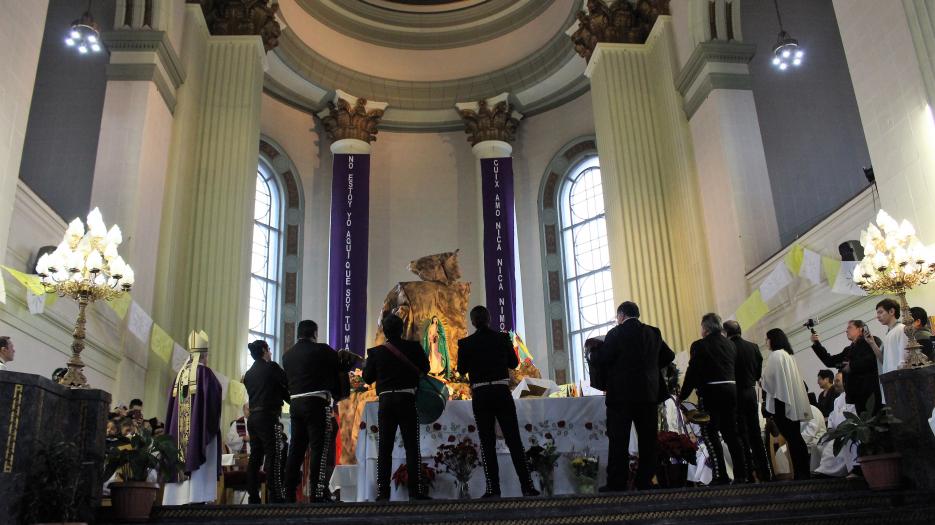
pixel 584 469
pixel 458 459
pixel 357 381
pixel 401 476
pixel 542 459
pixel 676 448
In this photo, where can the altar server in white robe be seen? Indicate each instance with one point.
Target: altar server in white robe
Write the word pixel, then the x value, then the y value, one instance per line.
pixel 841 464
pixel 894 342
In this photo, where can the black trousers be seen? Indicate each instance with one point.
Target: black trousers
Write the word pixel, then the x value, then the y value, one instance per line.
pixel 398 410
pixel 493 404
pixel 791 430
pixel 645 416
pixel 312 431
pixel 720 401
pixel 261 426
pixel 751 437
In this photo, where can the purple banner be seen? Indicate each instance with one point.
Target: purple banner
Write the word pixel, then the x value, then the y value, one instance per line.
pixel 350 217
pixel 499 267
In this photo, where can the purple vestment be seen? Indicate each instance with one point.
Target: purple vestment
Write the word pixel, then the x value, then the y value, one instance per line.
pixel 205 420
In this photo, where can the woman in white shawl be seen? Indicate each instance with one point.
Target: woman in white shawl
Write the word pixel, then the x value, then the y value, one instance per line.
pixel 787 399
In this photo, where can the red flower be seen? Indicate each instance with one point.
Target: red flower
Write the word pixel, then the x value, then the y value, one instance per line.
pixel 528 427
pixel 471 428
pixel 561 424
pixel 588 425
pixel 436 426
pixel 363 425
pixel 451 439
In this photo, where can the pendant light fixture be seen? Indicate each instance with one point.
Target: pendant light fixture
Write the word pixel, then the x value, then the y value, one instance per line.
pixel 84 35
pixel 787 51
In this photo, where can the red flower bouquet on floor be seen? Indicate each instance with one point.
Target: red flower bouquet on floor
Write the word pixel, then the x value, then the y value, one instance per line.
pixel 676 448
pixel 401 476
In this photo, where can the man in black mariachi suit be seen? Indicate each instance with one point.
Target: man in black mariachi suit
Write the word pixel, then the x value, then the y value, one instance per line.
pixel 633 354
pixel 267 388
pixel 312 369
pixel 748 367
pixel 396 367
pixel 712 370
pixel 486 357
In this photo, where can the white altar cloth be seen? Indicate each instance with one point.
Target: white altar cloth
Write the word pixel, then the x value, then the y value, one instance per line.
pixel 576 424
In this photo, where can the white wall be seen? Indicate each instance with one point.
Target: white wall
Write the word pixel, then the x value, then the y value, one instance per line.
pixel 22 26
pixel 897 121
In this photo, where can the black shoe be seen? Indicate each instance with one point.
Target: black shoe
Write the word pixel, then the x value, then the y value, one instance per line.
pixel 420 497
pixel 490 495
pixel 530 492
pixel 611 488
pixel 256 501
pixel 381 498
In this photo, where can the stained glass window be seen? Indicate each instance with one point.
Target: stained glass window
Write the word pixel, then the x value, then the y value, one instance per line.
pixel 265 265
pixel 586 260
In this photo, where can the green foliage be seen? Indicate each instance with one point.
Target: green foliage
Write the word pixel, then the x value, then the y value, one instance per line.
pixel 144 452
pixel 869 431
pixel 52 490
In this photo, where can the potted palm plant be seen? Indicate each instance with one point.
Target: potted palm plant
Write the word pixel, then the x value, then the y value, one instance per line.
pixel 142 458
pixel 871 434
pixel 52 488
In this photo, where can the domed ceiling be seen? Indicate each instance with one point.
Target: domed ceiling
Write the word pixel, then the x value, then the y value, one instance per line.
pixel 423 56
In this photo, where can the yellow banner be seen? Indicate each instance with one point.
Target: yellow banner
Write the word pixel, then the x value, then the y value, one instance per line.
pixel 160 343
pixel 794 259
pixel 120 305
pixel 752 310
pixel 31 282
pixel 831 268
pixel 237 392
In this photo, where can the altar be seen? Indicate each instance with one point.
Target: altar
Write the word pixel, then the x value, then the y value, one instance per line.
pixel 576 424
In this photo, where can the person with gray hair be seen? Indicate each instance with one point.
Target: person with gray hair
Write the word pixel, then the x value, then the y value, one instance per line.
pixel 711 371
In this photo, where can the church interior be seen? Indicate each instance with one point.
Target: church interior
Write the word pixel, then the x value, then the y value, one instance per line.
pixel 179 178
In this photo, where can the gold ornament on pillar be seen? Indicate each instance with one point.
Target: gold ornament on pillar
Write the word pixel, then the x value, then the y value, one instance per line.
pixel 87 268
pixel 498 122
pixel 345 122
pixel 616 22
pixel 242 17
pixel 894 262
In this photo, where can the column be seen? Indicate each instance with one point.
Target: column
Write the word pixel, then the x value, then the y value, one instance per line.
pixel 657 247
pixel 739 217
pixel 351 124
pixel 143 77
pixel 491 125
pixel 24 24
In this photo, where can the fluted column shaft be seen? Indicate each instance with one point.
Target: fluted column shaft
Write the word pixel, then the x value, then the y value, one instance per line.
pixel 656 241
pixel 224 191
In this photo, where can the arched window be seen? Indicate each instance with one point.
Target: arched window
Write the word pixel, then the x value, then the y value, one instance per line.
pixel 589 294
pixel 266 261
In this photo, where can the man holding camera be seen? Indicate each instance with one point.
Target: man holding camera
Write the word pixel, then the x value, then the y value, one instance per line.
pixel 858 363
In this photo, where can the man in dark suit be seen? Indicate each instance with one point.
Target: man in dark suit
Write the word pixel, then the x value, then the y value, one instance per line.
pixel 312 370
pixel 634 354
pixel 486 357
pixel 267 388
pixel 859 364
pixel 396 367
pixel 712 371
pixel 747 370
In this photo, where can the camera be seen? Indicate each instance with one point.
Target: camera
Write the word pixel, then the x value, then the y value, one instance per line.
pixel 810 324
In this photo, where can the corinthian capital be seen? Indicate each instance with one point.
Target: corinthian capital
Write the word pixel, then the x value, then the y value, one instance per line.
pixel 349 117
pixel 242 17
pixel 490 119
pixel 616 22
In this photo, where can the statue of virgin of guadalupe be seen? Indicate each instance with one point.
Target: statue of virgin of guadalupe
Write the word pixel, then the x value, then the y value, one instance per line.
pixel 435 344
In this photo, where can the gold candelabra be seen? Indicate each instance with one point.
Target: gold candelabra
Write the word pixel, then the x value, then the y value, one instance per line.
pixel 894 262
pixel 86 267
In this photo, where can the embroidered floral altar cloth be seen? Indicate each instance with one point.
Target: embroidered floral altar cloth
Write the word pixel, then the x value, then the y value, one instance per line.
pixel 576 424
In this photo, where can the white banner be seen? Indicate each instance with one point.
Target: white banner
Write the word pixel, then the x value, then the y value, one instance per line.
pixel 811 267
pixel 36 303
pixel 139 323
pixel 844 284
pixel 775 281
pixel 179 356
pixel 2 291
